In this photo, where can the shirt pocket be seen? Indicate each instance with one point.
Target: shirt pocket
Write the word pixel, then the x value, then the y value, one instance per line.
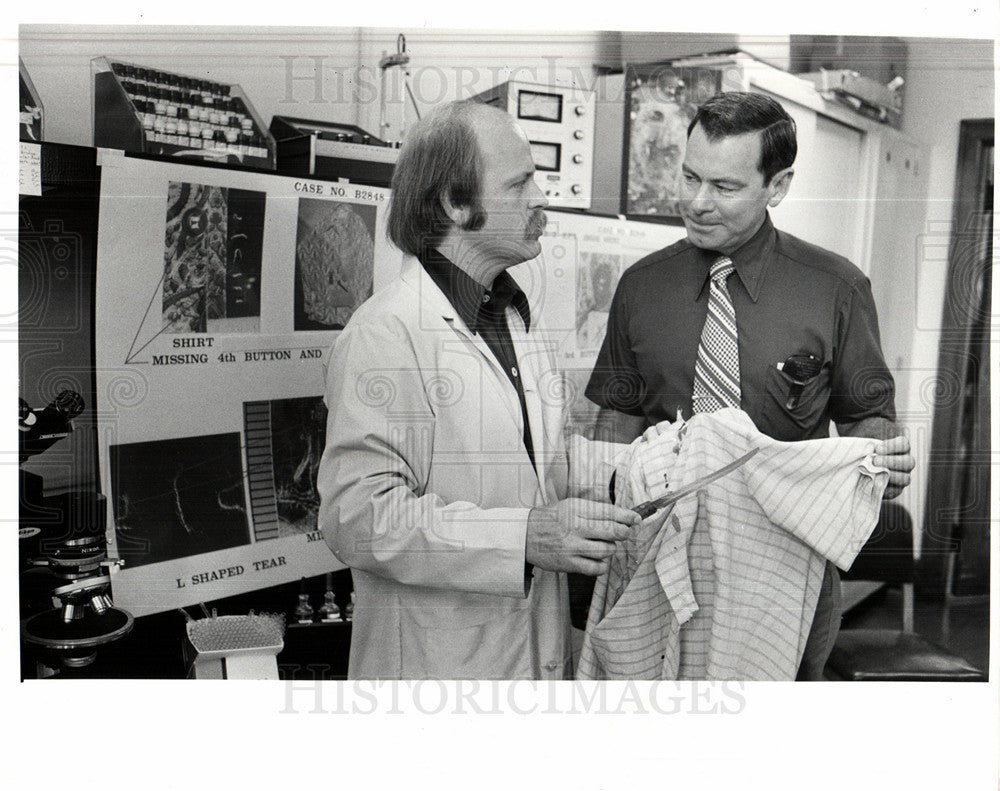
pixel 805 412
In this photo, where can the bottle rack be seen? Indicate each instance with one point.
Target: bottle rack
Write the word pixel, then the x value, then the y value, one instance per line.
pixel 136 108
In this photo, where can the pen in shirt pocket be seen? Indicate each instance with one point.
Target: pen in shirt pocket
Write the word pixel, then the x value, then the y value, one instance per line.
pixel 801 368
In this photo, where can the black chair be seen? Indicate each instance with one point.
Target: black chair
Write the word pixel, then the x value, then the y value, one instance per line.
pixel 893 654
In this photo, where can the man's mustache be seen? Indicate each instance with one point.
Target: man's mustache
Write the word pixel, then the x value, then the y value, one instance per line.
pixel 538 221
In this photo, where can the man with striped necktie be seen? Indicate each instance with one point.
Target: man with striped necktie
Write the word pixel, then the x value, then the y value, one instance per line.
pixel 740 314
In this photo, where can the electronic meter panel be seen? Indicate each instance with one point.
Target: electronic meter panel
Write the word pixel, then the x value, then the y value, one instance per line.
pixel 559 123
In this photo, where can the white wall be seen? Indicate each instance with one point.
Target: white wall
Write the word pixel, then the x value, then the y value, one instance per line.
pixel 456 64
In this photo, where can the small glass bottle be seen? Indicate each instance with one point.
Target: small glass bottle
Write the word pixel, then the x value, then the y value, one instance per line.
pixel 329 611
pixel 349 608
pixel 304 610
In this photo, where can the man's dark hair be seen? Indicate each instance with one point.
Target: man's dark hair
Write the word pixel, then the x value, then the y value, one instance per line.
pixel 737 113
pixel 440 157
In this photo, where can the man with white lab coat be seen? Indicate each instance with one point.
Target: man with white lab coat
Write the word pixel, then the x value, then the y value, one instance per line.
pixel 445 477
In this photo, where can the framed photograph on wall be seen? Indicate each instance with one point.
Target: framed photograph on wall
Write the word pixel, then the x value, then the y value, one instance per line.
pixel 661 100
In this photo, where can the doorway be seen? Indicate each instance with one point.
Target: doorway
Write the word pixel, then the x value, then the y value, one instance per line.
pixel 957 520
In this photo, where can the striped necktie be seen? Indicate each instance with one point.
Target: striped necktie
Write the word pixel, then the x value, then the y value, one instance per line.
pixel 717 368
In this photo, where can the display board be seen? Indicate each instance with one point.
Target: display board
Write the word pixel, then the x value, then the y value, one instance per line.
pixel 571 285
pixel 219 293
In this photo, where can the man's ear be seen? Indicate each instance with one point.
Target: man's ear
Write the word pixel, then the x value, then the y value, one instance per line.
pixel 459 215
pixel 779 186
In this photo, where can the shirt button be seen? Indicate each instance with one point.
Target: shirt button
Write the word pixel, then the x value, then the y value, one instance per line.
pixel 486 298
pixel 552 666
pixel 514 371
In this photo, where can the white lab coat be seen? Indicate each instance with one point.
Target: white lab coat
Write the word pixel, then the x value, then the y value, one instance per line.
pixel 426 488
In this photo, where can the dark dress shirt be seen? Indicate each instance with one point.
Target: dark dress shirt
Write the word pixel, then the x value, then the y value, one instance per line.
pixel 790 297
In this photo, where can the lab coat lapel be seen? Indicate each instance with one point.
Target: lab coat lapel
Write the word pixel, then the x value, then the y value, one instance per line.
pixel 528 355
pixel 436 308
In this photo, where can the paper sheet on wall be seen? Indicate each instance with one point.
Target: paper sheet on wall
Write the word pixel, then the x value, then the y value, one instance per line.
pixel 30 171
pixel 218 296
pixel 571 285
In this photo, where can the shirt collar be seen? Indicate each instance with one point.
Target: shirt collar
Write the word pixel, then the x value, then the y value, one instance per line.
pixel 751 260
pixel 474 302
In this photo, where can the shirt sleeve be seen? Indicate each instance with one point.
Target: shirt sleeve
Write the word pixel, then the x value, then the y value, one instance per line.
pixel 616 382
pixel 861 386
pixel 375 511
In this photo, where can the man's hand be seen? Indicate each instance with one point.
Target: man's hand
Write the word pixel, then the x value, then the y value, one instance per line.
pixel 576 535
pixel 894 454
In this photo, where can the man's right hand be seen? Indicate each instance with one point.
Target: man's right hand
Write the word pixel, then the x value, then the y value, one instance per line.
pixel 576 535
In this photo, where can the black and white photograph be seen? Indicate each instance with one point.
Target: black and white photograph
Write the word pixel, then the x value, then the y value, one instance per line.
pixel 596 279
pixel 284 442
pixel 211 269
pixel 661 104
pixel 178 498
pixel 334 259
pixel 442 370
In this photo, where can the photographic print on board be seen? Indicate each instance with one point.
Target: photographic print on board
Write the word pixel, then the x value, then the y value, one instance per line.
pixel 284 443
pixel 178 497
pixel 596 280
pixel 334 262
pixel 212 258
pixel 662 103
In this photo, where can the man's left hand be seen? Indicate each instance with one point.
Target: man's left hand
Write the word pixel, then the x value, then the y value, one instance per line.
pixel 894 454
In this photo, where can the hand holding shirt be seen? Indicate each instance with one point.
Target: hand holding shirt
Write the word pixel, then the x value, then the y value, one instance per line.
pixel 724 585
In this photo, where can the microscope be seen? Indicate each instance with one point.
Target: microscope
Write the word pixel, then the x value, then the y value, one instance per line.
pixel 66 607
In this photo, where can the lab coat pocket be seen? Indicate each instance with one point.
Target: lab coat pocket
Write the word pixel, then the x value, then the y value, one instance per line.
pixel 496 648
